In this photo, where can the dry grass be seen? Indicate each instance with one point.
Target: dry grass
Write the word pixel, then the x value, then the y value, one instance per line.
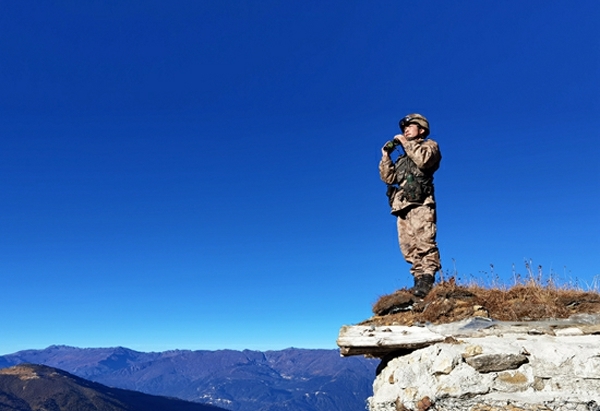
pixel 449 302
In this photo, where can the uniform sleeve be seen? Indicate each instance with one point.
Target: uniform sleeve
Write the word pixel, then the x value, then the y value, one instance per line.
pixel 387 171
pixel 425 154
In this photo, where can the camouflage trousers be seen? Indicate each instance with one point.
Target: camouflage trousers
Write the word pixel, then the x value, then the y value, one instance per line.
pixel 416 234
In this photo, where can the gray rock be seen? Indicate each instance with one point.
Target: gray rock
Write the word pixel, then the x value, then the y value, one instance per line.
pixel 496 362
pixel 516 371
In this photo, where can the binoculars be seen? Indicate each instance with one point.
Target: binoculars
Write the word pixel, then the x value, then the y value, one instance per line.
pixel 391 145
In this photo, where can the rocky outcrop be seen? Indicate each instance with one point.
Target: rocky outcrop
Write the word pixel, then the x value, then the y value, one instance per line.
pixel 479 364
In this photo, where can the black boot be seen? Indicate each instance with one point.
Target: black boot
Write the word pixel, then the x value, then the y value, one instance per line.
pixel 423 285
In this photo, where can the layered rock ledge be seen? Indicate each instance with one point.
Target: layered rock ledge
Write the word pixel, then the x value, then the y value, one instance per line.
pixel 479 364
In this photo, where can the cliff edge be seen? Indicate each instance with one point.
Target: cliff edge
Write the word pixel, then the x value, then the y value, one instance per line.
pixel 475 349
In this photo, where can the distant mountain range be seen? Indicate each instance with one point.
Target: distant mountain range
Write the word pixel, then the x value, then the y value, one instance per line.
pixel 28 387
pixel 291 379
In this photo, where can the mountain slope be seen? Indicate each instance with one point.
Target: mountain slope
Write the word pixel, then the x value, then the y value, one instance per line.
pixel 298 379
pixel 29 387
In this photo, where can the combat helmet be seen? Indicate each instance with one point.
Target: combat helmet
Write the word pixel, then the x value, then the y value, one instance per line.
pixel 417 119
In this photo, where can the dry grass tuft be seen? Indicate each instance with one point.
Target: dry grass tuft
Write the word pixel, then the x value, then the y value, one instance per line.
pixel 449 302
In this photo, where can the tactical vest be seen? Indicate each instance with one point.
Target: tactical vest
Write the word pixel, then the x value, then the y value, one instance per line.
pixel 415 185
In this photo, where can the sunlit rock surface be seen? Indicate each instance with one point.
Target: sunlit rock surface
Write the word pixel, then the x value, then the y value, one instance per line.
pixel 480 364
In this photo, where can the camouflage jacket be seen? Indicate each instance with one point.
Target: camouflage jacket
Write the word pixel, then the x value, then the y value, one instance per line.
pixel 411 175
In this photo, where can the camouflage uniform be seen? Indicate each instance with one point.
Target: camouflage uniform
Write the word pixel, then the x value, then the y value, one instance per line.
pixel 416 217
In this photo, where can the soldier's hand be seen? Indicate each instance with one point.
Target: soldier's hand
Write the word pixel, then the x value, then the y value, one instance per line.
pixel 401 139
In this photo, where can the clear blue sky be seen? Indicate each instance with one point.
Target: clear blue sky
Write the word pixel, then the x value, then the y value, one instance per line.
pixel 203 174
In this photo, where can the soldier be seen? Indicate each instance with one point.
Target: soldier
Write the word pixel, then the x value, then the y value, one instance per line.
pixel 410 194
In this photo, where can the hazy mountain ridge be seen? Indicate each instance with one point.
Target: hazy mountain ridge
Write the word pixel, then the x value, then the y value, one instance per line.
pixel 28 387
pixel 299 379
